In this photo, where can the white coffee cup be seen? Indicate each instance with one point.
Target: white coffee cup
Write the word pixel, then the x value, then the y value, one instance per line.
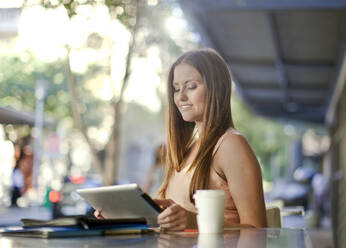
pixel 210 206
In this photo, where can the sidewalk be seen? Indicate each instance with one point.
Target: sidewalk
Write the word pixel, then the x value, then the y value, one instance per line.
pixel 11 216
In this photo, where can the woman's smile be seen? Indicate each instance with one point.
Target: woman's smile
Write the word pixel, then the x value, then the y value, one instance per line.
pixel 185 107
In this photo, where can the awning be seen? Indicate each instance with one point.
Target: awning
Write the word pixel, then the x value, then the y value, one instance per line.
pixel 285 56
pixel 11 116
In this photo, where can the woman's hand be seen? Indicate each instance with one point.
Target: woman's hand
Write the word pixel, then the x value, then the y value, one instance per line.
pixel 173 217
pixel 98 214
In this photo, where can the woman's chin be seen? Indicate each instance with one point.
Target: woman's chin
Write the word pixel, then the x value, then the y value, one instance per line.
pixel 188 119
pixel 191 116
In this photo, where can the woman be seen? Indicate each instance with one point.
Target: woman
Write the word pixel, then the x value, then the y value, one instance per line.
pixel 204 151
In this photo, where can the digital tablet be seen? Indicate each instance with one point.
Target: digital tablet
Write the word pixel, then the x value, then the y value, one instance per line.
pixel 122 201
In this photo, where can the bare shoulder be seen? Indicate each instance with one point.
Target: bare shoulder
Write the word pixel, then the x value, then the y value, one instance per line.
pixel 234 140
pixel 235 150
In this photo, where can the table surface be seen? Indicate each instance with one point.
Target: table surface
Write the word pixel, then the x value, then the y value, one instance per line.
pixel 263 237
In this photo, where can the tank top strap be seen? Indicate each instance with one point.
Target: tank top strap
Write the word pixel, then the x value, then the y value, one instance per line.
pixel 217 146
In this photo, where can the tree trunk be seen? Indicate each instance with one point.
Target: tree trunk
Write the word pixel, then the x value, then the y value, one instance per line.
pixel 77 116
pixel 112 147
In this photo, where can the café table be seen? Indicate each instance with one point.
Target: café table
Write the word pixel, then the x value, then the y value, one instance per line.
pixel 232 237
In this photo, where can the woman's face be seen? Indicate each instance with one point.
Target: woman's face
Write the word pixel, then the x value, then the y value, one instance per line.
pixel 189 92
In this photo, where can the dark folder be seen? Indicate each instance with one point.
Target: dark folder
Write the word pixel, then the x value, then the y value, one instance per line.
pixel 82 221
pixel 76 226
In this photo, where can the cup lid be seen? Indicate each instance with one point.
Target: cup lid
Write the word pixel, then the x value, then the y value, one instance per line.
pixel 209 193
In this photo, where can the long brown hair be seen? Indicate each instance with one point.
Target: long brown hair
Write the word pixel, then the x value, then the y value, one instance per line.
pixel 216 120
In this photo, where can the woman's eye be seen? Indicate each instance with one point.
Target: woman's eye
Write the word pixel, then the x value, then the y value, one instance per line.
pixel 176 89
pixel 192 86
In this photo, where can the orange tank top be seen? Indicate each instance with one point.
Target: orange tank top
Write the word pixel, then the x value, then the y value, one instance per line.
pixel 179 184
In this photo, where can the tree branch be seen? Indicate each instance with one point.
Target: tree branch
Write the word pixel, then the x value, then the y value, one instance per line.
pixel 130 52
pixel 117 102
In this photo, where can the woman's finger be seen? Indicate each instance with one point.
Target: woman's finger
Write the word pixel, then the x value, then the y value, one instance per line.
pixel 171 216
pixel 98 214
pixel 179 224
pixel 177 220
pixel 173 223
pixel 171 210
pixel 174 217
pixel 180 227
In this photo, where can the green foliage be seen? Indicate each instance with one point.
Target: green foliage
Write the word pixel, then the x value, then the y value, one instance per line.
pixel 123 10
pixel 266 137
pixel 69 5
pixel 18 77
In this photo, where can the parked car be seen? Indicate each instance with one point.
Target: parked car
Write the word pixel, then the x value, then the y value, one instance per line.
pixel 66 202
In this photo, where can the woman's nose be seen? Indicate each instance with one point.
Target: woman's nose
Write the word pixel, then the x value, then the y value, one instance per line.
pixel 182 95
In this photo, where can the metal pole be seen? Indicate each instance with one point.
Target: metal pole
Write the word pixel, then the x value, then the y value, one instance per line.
pixel 39 115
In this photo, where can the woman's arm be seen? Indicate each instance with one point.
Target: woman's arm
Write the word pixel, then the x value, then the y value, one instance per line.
pixel 236 160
